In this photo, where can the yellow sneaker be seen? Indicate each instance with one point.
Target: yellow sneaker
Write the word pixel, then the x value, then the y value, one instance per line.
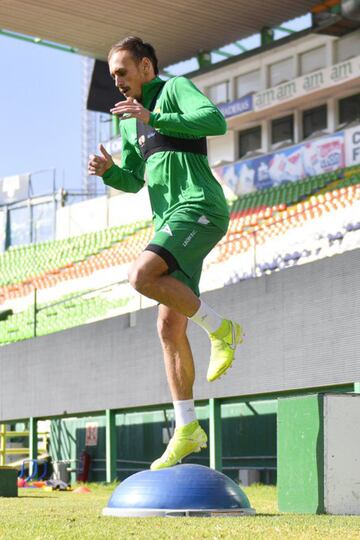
pixel 186 440
pixel 223 345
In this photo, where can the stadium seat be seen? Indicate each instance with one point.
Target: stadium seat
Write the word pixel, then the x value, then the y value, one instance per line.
pixel 269 230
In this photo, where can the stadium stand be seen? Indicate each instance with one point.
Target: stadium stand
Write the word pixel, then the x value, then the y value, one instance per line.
pixel 62 315
pixel 271 229
pixel 292 223
pixel 22 264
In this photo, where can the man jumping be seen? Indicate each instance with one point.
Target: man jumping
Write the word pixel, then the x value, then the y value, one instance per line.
pixel 163 131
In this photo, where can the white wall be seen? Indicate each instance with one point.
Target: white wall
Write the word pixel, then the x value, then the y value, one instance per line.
pixel 80 218
pixel 336 50
pixel 102 212
pixel 129 207
pixel 264 60
pixel 341 454
pixel 221 148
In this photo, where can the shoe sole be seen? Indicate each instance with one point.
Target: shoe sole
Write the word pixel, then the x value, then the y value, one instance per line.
pixel 224 369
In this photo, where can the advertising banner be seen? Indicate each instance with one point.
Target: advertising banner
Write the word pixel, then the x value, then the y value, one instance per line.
pixel 314 157
pixel 239 106
pixel 352 146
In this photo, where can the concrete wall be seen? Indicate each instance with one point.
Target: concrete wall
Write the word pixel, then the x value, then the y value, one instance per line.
pixel 302 330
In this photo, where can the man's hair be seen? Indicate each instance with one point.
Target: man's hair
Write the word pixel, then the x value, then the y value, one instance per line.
pixel 138 50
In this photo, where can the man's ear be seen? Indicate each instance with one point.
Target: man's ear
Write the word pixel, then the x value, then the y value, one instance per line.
pixel 146 64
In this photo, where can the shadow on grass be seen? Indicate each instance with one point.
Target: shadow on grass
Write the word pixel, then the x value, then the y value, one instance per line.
pixel 265 514
pixel 40 496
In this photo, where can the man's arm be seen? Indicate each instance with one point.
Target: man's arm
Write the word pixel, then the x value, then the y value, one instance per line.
pixel 197 115
pixel 194 114
pixel 129 177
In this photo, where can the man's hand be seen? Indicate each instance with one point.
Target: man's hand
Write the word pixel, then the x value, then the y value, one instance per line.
pixel 131 109
pixel 98 165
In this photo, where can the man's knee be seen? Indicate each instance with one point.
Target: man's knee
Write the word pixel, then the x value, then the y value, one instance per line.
pixel 137 277
pixel 171 329
pixel 145 271
pixel 141 279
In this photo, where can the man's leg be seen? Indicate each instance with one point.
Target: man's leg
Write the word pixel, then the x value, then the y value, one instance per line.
pixel 178 358
pixel 179 365
pixel 149 277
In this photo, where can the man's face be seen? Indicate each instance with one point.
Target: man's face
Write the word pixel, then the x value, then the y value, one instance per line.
pixel 129 76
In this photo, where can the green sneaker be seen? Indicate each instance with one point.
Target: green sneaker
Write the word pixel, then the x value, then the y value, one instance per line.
pixel 186 440
pixel 223 346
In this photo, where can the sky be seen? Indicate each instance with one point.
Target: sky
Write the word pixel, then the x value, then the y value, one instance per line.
pixel 41 108
pixel 40 111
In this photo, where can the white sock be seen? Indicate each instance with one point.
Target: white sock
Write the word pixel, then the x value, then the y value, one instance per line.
pixel 207 318
pixel 184 412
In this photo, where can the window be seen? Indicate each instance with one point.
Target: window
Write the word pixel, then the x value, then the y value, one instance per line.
pixel 43 222
pixel 282 129
pixel 249 140
pixel 218 93
pixel 2 230
pixel 248 83
pixel 312 60
pixel 281 72
pixel 349 109
pixel 314 120
pixel 19 226
pixel 348 47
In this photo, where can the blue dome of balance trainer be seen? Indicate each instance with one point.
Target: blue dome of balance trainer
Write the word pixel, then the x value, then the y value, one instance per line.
pixel 183 487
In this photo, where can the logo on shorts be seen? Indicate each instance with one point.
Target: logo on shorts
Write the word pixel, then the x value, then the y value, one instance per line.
pixel 203 220
pixel 142 140
pixel 189 238
pixel 166 229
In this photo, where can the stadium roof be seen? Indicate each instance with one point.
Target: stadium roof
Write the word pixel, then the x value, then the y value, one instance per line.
pixel 178 29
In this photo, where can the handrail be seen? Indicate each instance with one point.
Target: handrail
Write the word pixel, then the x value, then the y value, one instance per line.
pixel 81 294
pixel 4 435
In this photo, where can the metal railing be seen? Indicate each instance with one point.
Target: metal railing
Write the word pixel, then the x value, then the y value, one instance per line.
pixel 37 309
pixel 6 451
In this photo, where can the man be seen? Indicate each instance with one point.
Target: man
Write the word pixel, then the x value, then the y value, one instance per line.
pixel 163 130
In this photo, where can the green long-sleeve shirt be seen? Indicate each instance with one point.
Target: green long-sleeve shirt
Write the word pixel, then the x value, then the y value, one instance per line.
pixel 177 181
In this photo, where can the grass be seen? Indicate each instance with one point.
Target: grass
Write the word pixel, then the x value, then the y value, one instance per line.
pixel 39 515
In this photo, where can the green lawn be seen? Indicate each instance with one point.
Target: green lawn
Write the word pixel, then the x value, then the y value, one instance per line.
pixel 40 515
